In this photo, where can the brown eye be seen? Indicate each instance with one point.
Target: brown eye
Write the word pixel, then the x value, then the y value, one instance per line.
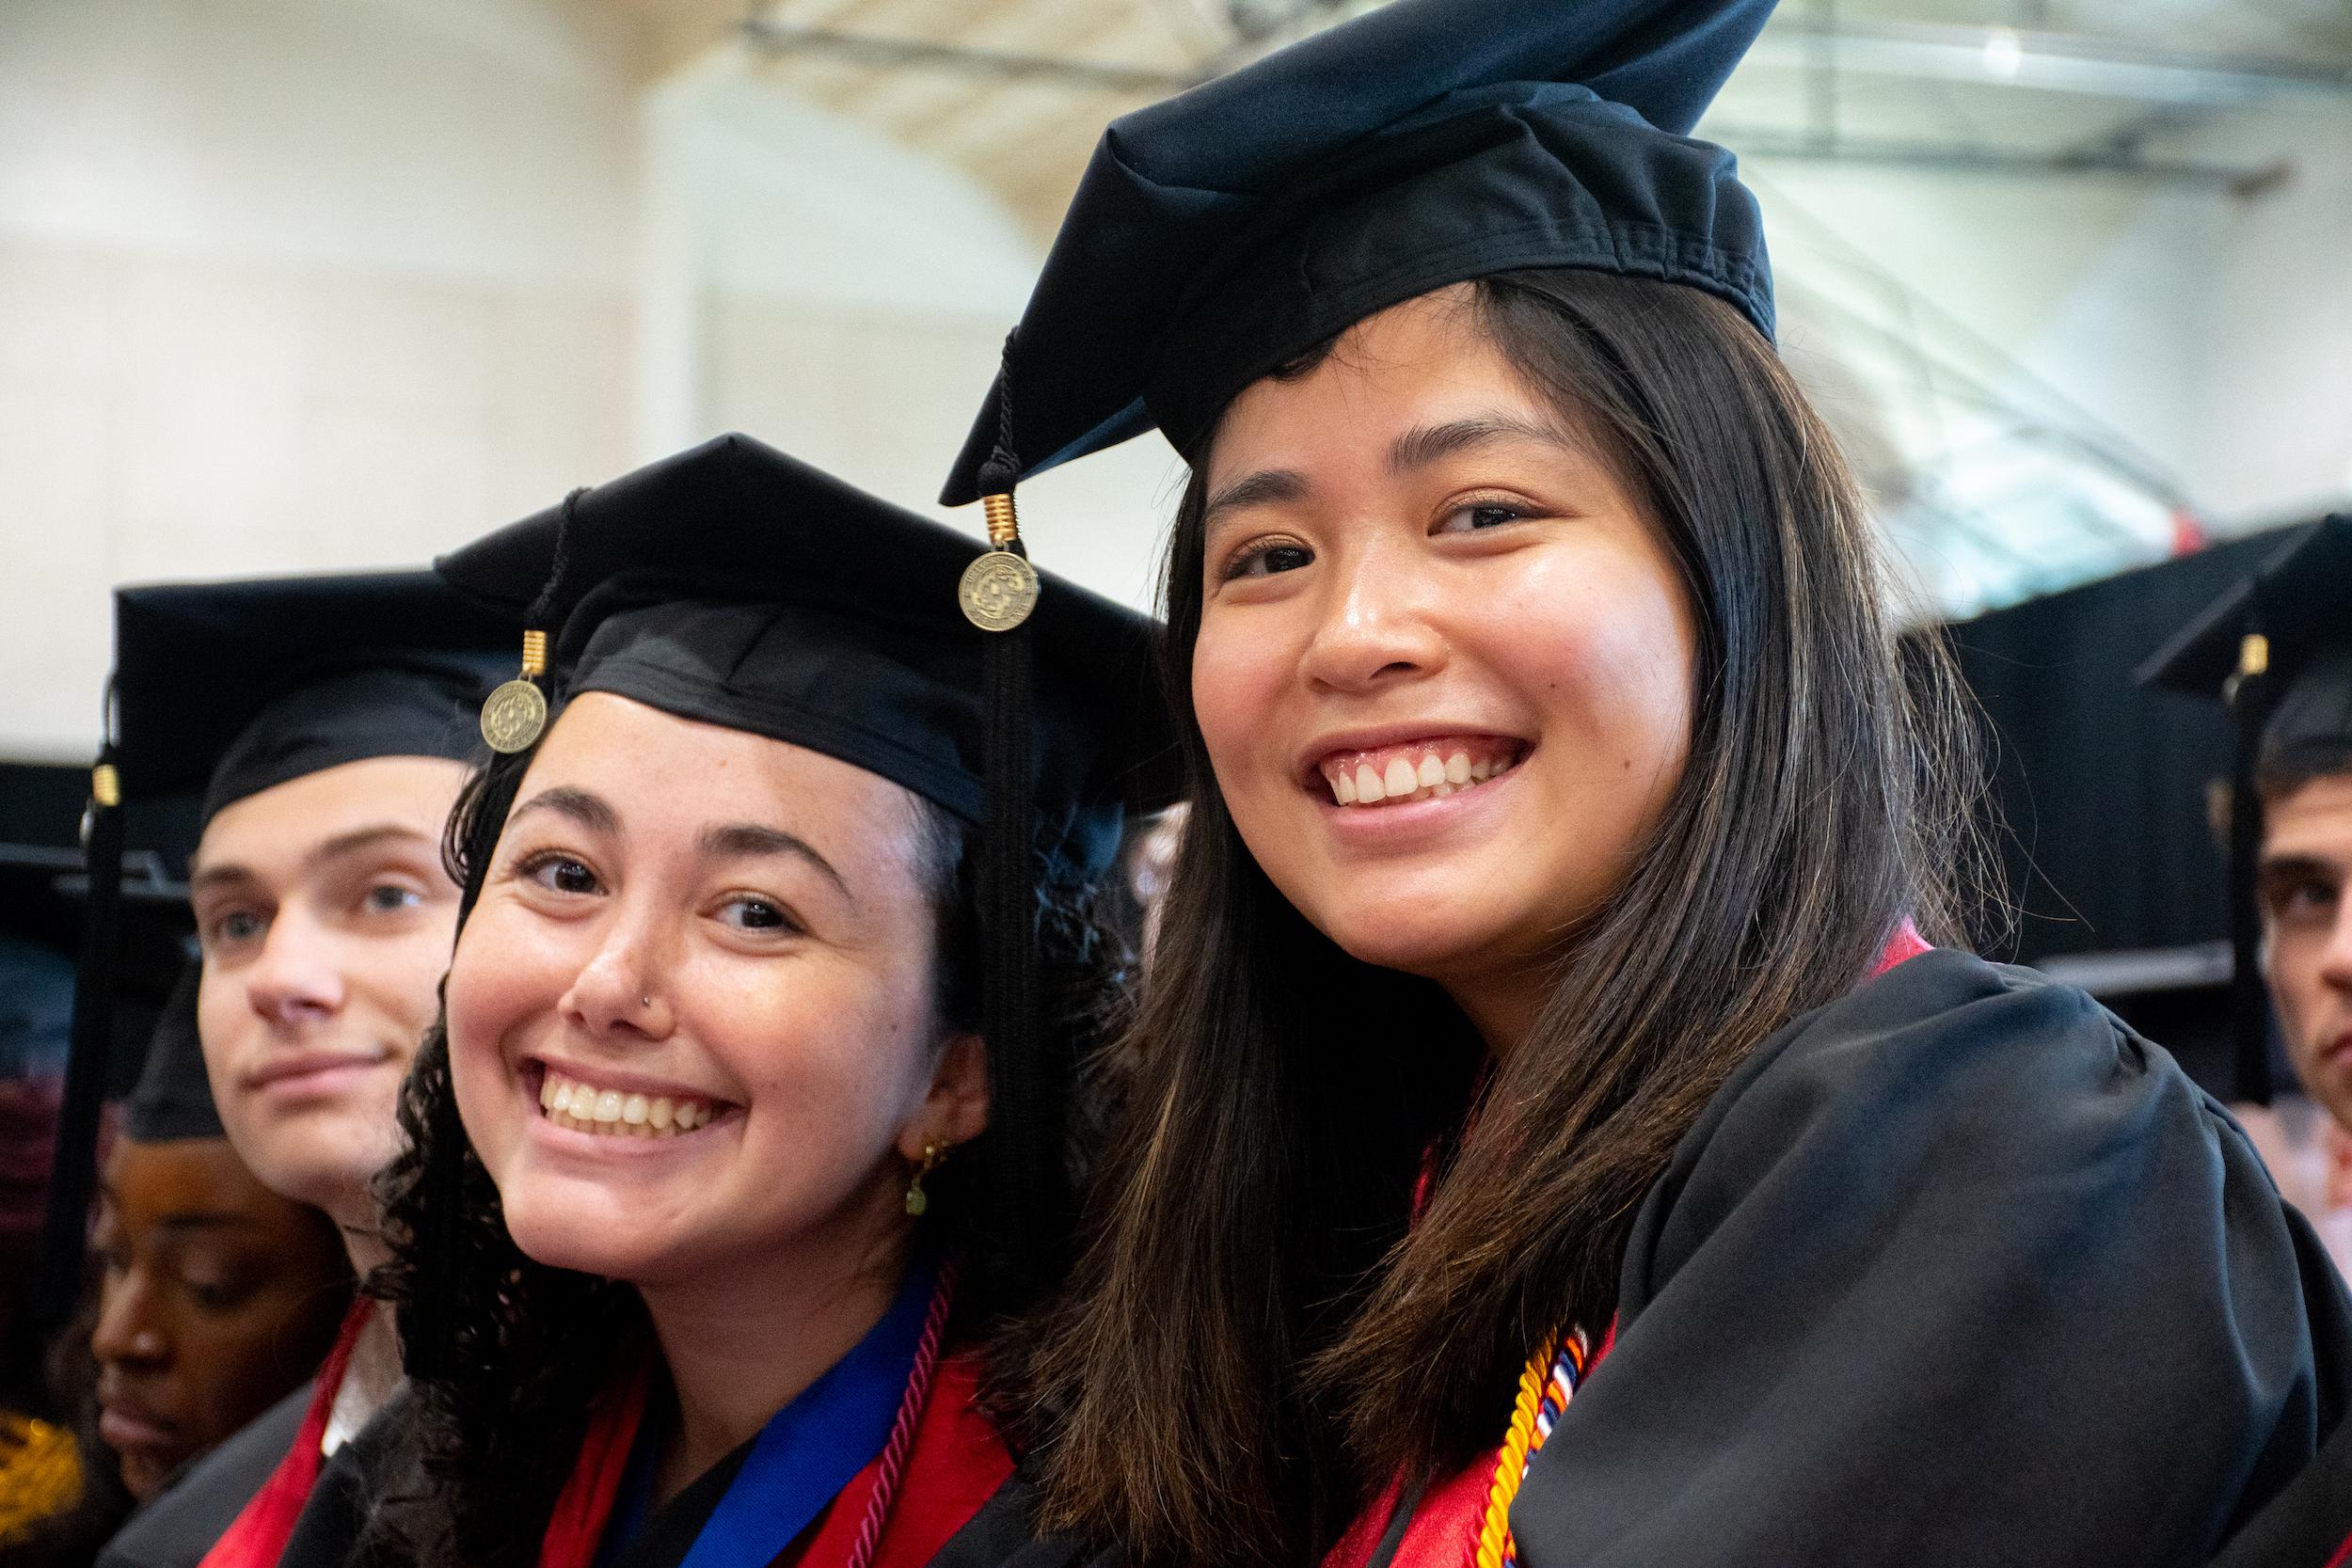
pixel 564 874
pixel 1259 561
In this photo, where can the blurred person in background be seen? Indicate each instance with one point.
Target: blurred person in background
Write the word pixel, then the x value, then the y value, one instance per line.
pixel 327 722
pixel 2278 649
pixel 218 1298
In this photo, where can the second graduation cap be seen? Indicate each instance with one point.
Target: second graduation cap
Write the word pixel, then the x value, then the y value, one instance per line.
pixel 1219 234
pixel 2277 650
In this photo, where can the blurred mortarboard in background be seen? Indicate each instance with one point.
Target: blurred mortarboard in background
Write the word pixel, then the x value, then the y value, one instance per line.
pixel 173 1097
pixel 224 690
pixel 2277 648
pixel 1220 233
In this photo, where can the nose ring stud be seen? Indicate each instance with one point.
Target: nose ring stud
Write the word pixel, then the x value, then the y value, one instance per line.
pixel 645 1001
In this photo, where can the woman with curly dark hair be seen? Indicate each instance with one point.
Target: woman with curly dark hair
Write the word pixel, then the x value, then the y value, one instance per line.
pixel 1553 1138
pixel 731 1142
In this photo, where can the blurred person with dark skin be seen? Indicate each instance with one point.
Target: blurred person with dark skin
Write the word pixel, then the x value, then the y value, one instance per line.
pixel 327 722
pixel 217 1297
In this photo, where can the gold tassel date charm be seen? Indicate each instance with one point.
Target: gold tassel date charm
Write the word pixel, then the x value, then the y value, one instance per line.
pixel 515 714
pixel 999 588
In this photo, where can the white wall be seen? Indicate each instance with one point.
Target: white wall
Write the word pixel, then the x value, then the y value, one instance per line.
pixel 292 285
pixel 289 285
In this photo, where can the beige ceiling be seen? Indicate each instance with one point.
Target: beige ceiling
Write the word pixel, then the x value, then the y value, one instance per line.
pixel 1027 133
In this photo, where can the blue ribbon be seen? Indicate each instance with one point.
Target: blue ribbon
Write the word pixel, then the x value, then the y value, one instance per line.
pixel 813 1448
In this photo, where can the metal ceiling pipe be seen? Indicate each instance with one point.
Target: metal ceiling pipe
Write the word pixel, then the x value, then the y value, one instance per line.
pixel 2052 62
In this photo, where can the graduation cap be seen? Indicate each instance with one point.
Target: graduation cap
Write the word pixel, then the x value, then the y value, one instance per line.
pixel 222 691
pixel 1219 234
pixel 734 585
pixel 2277 648
pixel 173 1097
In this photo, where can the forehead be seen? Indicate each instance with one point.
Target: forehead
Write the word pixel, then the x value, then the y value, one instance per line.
pixel 663 774
pixel 2311 821
pixel 276 829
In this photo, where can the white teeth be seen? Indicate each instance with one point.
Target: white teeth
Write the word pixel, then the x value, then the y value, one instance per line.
pixel 1434 776
pixel 613 1112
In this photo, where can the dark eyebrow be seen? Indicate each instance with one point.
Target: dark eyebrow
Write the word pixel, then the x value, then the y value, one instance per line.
pixel 334 848
pixel 740 840
pixel 1268 485
pixel 1426 444
pixel 2280 867
pixel 591 810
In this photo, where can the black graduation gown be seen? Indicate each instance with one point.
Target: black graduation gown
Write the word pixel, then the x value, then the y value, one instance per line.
pixel 179 1525
pixel 1955 1269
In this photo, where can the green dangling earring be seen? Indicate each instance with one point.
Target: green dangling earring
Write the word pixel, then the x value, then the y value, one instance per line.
pixel 917 1199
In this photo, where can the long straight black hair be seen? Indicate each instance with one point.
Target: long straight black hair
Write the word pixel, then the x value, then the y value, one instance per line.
pixel 1256 1282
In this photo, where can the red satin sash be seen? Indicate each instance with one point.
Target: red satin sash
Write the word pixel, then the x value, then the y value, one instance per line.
pixel 256 1538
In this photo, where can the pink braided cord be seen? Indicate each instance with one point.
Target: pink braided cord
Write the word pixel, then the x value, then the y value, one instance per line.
pixel 894 1454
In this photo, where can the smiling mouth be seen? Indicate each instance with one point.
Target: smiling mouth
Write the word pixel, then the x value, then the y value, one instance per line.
pixel 584 1107
pixel 1417 770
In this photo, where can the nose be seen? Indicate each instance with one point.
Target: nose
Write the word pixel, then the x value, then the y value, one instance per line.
pixel 128 1333
pixel 1376 626
pixel 621 993
pixel 296 978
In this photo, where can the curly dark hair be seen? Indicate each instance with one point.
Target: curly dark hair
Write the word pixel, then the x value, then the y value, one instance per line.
pixel 505 1356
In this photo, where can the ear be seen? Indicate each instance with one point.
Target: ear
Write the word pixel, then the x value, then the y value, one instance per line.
pixel 956 1109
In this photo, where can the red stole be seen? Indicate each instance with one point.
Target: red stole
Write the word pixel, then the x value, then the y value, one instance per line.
pixel 1443 1532
pixel 256 1538
pixel 957 1461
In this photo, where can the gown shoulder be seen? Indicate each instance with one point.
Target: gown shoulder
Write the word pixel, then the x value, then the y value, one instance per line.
pixel 180 1523
pixel 1954 1270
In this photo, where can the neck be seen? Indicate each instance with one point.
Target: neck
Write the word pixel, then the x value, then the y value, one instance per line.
pixel 1503 1007
pixel 742 1346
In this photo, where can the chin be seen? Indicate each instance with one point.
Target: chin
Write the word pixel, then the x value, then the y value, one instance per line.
pixel 1431 943
pixel 585 1245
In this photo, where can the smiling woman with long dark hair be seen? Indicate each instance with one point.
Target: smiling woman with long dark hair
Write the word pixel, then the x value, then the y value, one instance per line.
pixel 1553 1137
pixel 722 1166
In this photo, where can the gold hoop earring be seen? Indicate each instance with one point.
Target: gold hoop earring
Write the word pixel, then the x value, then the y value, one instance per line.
pixel 917 1199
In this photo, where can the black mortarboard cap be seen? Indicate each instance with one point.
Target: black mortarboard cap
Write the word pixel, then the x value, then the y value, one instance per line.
pixel 173 1097
pixel 1220 233
pixel 738 586
pixel 2277 648
pixel 224 690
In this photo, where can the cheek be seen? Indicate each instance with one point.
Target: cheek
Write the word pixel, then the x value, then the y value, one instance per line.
pixel 1237 686
pixel 497 978
pixel 1610 656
